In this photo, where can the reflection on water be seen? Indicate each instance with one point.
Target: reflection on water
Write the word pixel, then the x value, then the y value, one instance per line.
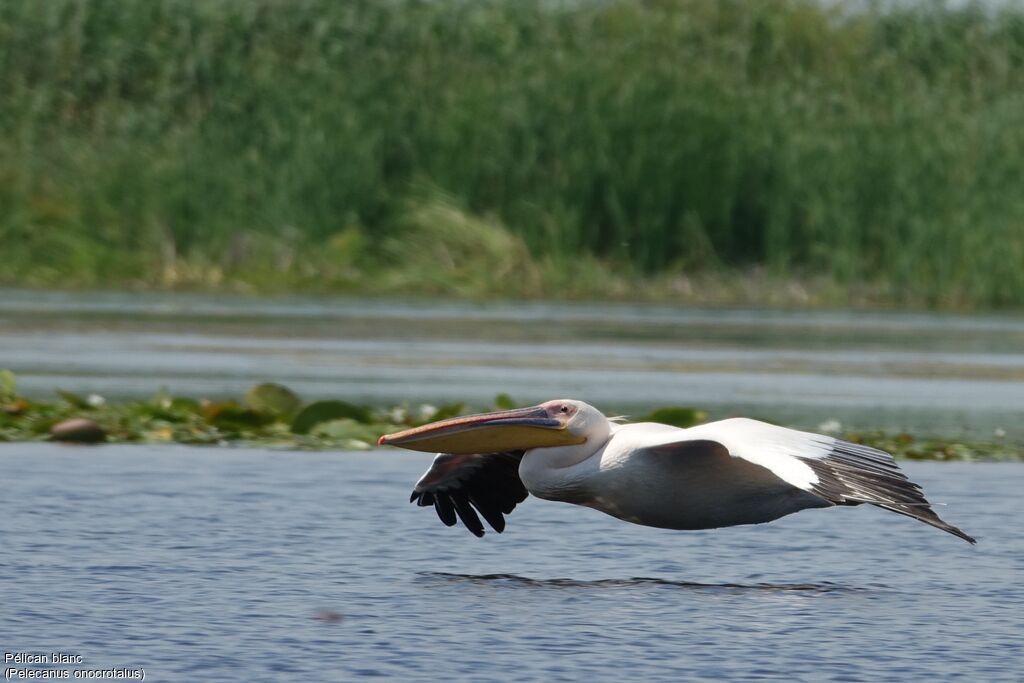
pixel 940 374
pixel 578 584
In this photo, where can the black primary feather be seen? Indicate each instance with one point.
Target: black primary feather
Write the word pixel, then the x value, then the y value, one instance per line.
pixel 461 486
pixel 852 474
pixel 445 509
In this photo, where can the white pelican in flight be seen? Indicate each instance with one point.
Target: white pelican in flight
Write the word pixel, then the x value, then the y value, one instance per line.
pixel 735 471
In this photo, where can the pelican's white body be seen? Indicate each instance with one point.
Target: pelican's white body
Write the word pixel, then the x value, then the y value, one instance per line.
pixel 640 474
pixel 735 471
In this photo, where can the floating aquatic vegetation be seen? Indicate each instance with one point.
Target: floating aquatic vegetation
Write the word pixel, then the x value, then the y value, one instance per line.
pixel 272 415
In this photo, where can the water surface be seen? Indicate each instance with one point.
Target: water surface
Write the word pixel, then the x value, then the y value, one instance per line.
pixel 926 374
pixel 243 565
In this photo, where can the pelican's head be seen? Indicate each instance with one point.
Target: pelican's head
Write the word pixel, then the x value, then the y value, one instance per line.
pixel 563 422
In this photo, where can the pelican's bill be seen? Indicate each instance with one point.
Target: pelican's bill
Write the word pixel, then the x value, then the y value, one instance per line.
pixel 503 430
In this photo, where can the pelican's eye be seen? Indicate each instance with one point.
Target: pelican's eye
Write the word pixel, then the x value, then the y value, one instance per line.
pixel 561 410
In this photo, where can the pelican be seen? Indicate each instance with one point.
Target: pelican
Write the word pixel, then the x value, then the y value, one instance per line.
pixel 719 474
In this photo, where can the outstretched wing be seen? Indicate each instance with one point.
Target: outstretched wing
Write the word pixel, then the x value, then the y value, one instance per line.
pixel 851 474
pixel 839 472
pixel 459 486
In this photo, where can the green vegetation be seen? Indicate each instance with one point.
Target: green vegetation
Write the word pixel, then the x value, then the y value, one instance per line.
pixel 272 415
pixel 676 149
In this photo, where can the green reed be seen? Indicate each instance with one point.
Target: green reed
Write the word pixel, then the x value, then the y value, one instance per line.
pixel 172 141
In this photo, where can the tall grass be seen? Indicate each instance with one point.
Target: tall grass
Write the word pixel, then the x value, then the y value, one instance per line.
pixel 883 148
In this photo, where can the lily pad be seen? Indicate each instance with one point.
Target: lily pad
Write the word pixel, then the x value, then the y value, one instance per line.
pixel 185 405
pixel 229 415
pixel 345 428
pixel 73 399
pixel 324 411
pixel 675 416
pixel 504 402
pixel 448 410
pixel 272 398
pixel 8 385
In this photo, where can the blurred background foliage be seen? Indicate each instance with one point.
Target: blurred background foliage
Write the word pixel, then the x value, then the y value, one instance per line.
pixel 668 149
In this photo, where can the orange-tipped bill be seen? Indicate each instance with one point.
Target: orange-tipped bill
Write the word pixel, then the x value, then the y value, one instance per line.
pixel 503 430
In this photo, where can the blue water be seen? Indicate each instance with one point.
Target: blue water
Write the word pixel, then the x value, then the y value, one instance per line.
pixel 246 565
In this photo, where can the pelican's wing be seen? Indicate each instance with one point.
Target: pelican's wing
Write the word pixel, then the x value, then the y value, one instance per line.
pixel 839 472
pixel 456 484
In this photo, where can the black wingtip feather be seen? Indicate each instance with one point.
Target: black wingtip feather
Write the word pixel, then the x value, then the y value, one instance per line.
pixel 468 515
pixel 445 509
pixel 853 474
pixel 468 487
pixel 489 512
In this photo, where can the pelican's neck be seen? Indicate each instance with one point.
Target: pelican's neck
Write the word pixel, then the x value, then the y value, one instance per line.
pixel 559 472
